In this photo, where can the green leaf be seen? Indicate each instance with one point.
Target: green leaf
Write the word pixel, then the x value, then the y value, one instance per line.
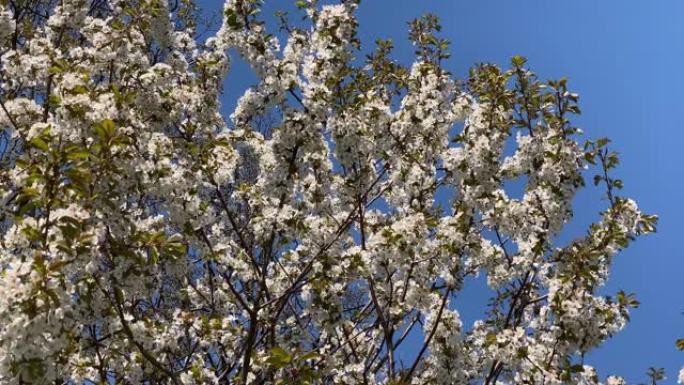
pixel 25 208
pixel 109 126
pixel 55 69
pixel 79 90
pixel 627 300
pixel 78 155
pixel 105 130
pixel 232 19
pixel 602 142
pixel 279 357
pixel 565 375
pixel 118 25
pixel 522 352
pixel 490 339
pixel 39 143
pixel 54 100
pixel 518 61
pixel 100 132
pixel 680 344
pixel 68 231
pixel 589 157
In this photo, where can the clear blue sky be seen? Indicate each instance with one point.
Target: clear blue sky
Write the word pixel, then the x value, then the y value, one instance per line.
pixel 624 58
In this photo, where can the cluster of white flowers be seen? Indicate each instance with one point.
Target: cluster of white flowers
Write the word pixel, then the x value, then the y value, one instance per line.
pixel 145 239
pixel 7 24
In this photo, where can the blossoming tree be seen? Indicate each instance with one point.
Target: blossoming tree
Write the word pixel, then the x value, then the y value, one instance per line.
pixel 147 239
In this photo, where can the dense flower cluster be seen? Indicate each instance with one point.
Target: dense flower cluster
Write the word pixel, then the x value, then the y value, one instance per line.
pixel 144 238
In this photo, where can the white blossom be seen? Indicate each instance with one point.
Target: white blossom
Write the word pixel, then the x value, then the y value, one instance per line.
pixel 147 238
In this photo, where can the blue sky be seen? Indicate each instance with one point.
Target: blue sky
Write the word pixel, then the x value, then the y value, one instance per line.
pixel 624 58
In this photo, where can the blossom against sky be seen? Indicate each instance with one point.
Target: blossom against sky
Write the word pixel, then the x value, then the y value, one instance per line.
pixel 624 58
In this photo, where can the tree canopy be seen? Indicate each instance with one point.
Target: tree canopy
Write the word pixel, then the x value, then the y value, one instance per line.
pixel 147 239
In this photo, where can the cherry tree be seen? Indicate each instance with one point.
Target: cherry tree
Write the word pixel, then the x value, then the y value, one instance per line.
pixel 147 239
